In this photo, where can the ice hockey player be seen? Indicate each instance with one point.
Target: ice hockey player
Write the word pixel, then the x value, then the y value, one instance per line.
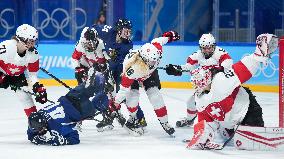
pixel 17 57
pixel 207 55
pixel 89 51
pixel 54 124
pixel 118 42
pixel 140 66
pixel 220 100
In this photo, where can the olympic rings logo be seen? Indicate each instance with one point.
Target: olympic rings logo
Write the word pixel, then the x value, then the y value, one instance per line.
pixel 4 22
pixel 50 19
pixel 269 69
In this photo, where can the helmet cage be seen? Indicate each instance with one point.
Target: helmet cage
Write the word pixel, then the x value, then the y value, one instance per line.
pixel 90 42
pixel 201 78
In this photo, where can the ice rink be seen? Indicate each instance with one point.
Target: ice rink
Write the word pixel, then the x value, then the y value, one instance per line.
pixel 117 143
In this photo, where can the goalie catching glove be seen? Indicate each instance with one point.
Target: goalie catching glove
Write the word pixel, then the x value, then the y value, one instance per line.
pixel 173 35
pixel 265 45
pixel 40 92
pixel 175 70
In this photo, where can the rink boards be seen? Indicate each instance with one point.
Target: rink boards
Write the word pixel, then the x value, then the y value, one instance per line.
pixel 56 58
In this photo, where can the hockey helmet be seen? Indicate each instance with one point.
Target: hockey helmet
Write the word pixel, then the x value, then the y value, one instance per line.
pixel 26 32
pixel 201 78
pixel 150 55
pixel 37 122
pixel 89 39
pixel 124 29
pixel 28 35
pixel 207 45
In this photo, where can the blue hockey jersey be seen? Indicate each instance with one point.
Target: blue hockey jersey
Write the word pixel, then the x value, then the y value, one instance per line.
pixel 61 120
pixel 75 106
pixel 108 35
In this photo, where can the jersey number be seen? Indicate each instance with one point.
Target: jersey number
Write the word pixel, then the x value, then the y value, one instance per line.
pixel 129 72
pixel 106 28
pixel 228 73
pixel 56 113
pixel 2 49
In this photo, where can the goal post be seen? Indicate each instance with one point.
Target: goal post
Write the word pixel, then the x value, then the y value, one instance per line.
pixel 281 82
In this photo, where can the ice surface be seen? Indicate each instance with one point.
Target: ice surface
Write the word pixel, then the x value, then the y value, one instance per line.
pixel 155 144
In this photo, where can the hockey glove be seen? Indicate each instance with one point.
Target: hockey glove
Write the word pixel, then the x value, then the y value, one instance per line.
pixel 3 81
pixel 81 74
pixel 40 91
pixel 173 35
pixel 109 87
pixel 175 70
pixel 101 67
pixel 112 54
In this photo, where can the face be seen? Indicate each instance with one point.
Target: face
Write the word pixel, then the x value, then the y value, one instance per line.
pixel 126 33
pixel 207 51
pixel 28 45
pixel 90 45
pixel 102 18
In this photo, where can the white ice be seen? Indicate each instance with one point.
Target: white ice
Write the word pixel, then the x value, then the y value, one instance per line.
pixel 118 143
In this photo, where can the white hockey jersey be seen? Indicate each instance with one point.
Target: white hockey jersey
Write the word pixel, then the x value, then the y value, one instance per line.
pixel 227 102
pixel 219 57
pixel 13 65
pixel 137 71
pixel 83 57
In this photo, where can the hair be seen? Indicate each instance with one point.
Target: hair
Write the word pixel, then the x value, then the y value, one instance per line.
pixel 14 38
pixel 136 61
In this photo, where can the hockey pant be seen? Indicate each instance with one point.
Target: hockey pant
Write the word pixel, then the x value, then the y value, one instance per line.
pixel 79 96
pixel 16 82
pixel 254 114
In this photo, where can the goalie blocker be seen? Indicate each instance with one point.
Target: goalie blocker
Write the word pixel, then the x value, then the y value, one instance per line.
pixel 259 138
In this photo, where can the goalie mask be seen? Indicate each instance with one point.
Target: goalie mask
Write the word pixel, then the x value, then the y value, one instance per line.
pixel 207 45
pixel 266 44
pixel 89 39
pixel 28 36
pixel 150 55
pixel 124 29
pixel 37 123
pixel 201 78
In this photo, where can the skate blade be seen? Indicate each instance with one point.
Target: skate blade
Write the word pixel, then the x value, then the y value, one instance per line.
pixel 186 140
pixel 135 132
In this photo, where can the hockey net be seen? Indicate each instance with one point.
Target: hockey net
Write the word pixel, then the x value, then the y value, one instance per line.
pixel 281 82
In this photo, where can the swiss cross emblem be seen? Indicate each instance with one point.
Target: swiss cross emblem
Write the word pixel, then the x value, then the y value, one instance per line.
pixel 216 111
pixel 238 143
pixel 14 70
pixel 148 50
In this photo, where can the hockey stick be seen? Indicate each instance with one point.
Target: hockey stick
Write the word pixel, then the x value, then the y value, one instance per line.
pixel 163 68
pixel 30 93
pixel 225 143
pixel 57 79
